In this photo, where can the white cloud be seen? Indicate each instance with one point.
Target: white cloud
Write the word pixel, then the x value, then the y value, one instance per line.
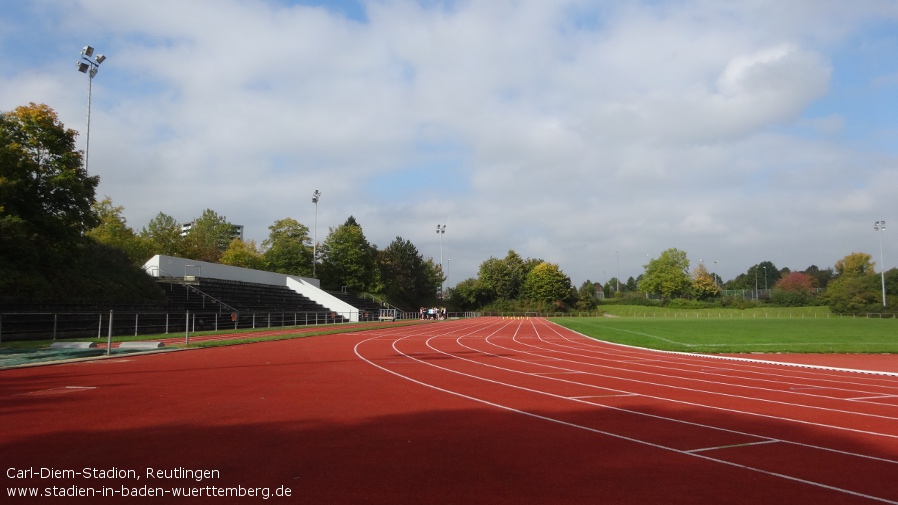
pixel 563 130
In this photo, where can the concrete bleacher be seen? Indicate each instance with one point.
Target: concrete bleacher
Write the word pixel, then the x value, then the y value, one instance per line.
pixel 205 294
pixel 193 286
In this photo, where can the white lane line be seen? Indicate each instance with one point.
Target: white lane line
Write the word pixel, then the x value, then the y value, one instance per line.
pixel 733 446
pixel 693 390
pixel 606 433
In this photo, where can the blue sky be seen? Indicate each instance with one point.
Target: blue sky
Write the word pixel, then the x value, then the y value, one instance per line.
pixel 574 131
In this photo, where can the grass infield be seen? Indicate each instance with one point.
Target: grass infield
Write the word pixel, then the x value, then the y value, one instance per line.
pixel 719 333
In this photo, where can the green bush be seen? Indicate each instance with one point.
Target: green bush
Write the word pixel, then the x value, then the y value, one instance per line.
pixel 683 303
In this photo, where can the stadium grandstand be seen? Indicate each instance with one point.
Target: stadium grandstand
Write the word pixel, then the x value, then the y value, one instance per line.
pixel 200 285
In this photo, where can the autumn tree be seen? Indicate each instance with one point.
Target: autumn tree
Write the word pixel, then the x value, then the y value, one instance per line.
pixel 46 212
pixel 243 254
pixel 855 265
pixel 46 199
pixel 704 285
pixel 46 195
pixel 795 289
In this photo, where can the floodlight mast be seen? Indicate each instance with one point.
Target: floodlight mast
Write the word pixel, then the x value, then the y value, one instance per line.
pixel 315 196
pixel 89 66
pixel 440 232
pixel 881 226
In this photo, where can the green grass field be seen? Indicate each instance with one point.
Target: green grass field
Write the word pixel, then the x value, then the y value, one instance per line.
pixel 719 331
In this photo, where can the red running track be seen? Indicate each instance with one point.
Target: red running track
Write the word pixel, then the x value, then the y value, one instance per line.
pixel 477 411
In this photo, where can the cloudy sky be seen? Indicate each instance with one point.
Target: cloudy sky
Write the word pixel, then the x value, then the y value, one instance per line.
pixel 592 134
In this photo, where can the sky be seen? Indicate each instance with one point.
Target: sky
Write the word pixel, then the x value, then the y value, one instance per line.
pixel 590 134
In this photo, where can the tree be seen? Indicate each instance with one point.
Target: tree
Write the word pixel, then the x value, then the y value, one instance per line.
pixel 114 231
pixel 761 276
pixel 586 296
pixel 704 286
pixel 546 283
pixel 470 294
pixel 611 286
pixel 46 195
pixel 408 280
pixel 855 265
pixel 347 259
pixel 822 277
pixel 891 278
pixel 855 289
pixel 504 278
pixel 243 254
pixel 164 234
pixel 667 275
pixel 288 248
pixel 795 289
pixel 209 236
pixel 46 209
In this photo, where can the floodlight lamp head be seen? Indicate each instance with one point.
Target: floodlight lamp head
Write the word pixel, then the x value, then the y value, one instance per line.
pixel 100 58
pixel 87 51
pixel 82 67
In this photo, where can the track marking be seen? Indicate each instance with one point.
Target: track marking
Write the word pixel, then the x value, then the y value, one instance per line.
pixel 614 435
pixel 587 397
pixel 733 446
pixel 688 389
pixel 58 391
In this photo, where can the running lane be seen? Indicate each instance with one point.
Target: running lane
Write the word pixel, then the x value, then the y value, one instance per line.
pixel 811 431
pixel 481 411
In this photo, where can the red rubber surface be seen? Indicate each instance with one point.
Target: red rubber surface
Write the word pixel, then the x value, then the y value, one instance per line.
pixel 476 411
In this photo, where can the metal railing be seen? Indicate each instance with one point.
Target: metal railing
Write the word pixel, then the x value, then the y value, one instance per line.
pixel 71 325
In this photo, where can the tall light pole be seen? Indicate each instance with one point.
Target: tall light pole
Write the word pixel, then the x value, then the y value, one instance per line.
pixel 89 66
pixel 315 196
pixel 440 232
pixel 618 270
pixel 881 226
pixel 756 282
